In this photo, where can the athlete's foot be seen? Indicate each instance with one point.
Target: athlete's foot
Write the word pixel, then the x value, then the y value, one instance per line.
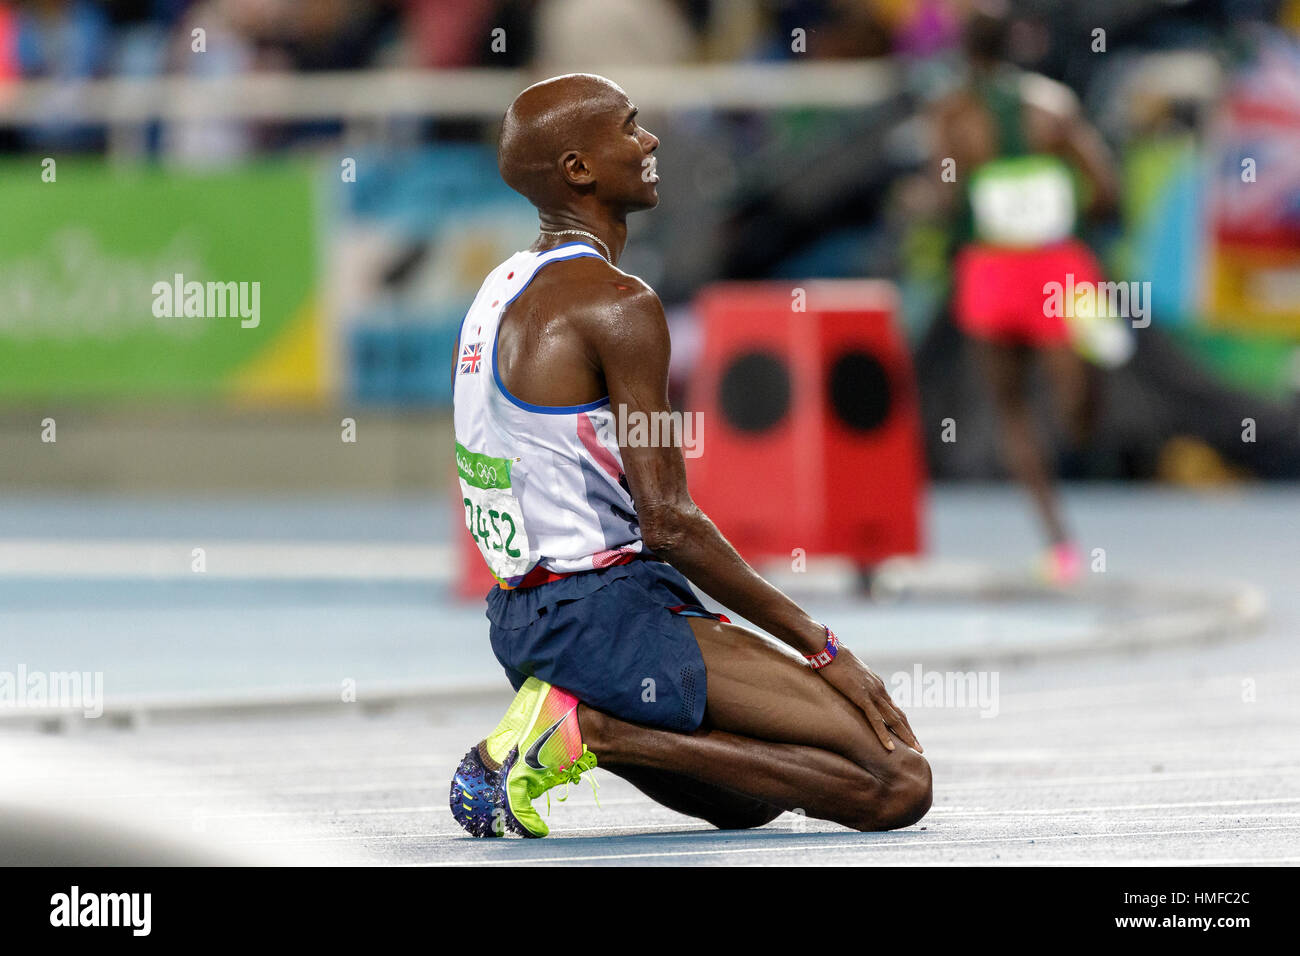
pixel 476 785
pixel 548 751
pixel 1061 565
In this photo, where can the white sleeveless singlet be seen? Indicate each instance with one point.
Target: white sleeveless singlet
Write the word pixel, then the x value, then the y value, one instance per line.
pixel 542 485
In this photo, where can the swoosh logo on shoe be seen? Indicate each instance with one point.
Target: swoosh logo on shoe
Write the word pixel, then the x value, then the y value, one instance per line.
pixel 530 758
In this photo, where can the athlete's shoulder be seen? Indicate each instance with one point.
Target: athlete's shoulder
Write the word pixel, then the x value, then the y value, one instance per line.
pixel 613 306
pixel 949 102
pixel 1052 98
pixel 602 288
pixel 599 277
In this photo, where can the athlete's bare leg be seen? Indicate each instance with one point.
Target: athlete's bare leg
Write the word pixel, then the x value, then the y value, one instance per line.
pixel 1007 368
pixel 723 807
pixel 778 733
pixel 1076 387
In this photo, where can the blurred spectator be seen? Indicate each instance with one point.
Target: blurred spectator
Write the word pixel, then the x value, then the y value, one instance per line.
pixel 448 34
pixel 338 34
pixel 831 29
pixel 8 43
pixel 230 29
pixel 922 28
pixel 66 41
pixel 62 39
pixel 852 28
pixel 586 35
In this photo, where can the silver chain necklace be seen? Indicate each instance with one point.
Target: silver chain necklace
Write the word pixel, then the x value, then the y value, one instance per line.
pixel 580 232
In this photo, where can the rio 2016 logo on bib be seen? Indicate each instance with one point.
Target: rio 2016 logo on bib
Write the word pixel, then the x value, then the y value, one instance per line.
pixel 1023 201
pixel 492 513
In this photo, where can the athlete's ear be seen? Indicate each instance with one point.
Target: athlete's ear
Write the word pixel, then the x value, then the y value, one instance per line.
pixel 575 168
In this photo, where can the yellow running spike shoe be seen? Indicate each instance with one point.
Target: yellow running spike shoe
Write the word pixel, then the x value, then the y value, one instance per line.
pixel 548 752
pixel 477 781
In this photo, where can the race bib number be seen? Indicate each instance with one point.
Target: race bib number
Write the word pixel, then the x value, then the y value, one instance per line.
pixel 492 512
pixel 1024 201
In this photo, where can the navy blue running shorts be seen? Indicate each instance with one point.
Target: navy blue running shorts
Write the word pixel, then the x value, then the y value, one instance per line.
pixel 618 639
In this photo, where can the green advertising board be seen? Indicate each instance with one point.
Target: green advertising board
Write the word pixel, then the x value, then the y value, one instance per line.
pixel 90 264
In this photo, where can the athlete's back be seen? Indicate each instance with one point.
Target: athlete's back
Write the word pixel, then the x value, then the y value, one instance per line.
pixel 542 485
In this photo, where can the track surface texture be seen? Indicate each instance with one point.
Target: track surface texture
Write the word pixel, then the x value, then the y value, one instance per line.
pixel 1180 754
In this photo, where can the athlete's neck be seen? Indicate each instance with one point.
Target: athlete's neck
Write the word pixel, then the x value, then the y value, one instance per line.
pixel 611 231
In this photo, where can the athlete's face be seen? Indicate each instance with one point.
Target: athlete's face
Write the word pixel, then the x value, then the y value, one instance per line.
pixel 626 168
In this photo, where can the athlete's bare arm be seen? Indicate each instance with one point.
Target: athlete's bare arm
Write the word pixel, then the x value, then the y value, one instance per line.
pixel 962 130
pixel 958 134
pixel 1056 124
pixel 623 324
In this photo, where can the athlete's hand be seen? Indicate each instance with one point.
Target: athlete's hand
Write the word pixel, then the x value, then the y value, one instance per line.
pixel 856 681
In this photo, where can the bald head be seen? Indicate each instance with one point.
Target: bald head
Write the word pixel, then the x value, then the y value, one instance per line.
pixel 549 121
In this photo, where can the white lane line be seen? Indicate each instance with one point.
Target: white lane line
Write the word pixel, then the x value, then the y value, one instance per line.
pixel 1169 817
pixel 941 812
pixel 822 826
pixel 404 787
pixel 805 847
pixel 1146 691
pixel 379 811
pixel 450 833
pixel 348 838
pixel 1264 801
pixel 782 824
pixel 817 827
pixel 304 790
pixel 132 558
pixel 1109 862
pixel 686 828
pixel 1157 751
pixel 274 767
pixel 1227 773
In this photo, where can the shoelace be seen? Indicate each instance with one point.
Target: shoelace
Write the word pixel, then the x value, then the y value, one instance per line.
pixel 573 774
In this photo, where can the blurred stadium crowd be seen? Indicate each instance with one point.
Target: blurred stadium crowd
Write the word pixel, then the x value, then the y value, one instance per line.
pixel 83 38
pixel 749 193
pixel 80 39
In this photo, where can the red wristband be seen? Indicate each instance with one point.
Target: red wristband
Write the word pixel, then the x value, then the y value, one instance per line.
pixel 827 653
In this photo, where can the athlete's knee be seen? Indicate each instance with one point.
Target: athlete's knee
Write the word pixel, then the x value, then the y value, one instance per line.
pixel 909 792
pixel 903 795
pixel 745 819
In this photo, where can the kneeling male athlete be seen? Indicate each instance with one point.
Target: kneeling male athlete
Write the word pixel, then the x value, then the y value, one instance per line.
pixel 593 621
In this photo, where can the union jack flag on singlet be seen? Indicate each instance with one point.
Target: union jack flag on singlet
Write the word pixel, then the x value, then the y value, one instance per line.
pixel 470 358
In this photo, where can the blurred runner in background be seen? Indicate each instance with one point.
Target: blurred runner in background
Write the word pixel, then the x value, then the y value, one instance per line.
pixel 1020 149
